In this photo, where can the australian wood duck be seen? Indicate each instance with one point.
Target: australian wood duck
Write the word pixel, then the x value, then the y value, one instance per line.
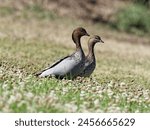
pixel 90 62
pixel 69 66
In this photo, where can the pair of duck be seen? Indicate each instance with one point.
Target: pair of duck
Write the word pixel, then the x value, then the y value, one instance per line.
pixel 76 64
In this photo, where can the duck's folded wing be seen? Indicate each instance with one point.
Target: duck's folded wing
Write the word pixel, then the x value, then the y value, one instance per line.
pixel 54 64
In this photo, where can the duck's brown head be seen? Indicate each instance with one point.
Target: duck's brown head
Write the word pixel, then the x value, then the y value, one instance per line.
pixel 78 33
pixel 95 39
pixel 91 43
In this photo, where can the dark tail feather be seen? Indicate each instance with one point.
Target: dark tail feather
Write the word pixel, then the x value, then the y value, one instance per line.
pixel 36 74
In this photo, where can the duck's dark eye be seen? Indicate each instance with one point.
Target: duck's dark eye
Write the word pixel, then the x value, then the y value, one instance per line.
pixel 98 38
pixel 83 31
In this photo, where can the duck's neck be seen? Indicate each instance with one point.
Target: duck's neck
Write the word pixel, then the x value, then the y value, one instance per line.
pixel 76 39
pixel 91 54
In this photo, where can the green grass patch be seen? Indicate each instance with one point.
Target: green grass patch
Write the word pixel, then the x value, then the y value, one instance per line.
pixel 39 12
pixel 134 19
pixel 29 12
pixel 143 2
pixel 4 11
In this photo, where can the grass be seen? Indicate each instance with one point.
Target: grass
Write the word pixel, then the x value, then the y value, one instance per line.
pixel 143 2
pixel 134 19
pixel 6 11
pixel 38 12
pixel 31 42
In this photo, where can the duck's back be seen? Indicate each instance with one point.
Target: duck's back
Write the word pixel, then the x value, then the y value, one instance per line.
pixel 68 67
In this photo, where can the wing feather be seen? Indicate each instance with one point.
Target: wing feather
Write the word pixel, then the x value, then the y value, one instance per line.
pixel 53 65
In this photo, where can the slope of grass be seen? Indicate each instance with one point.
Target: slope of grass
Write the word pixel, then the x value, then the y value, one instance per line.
pixel 30 42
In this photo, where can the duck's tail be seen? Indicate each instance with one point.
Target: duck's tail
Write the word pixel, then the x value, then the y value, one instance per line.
pixel 37 74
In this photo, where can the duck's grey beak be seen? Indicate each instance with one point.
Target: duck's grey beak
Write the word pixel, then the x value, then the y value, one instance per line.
pixel 101 41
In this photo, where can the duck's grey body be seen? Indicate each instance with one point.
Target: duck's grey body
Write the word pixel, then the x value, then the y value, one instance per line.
pixel 90 61
pixel 88 67
pixel 69 66
pixel 72 65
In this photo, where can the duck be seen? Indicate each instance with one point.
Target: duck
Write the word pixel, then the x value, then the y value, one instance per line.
pixel 70 66
pixel 90 61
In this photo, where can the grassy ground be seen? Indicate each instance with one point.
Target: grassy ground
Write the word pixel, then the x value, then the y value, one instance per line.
pixel 32 39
